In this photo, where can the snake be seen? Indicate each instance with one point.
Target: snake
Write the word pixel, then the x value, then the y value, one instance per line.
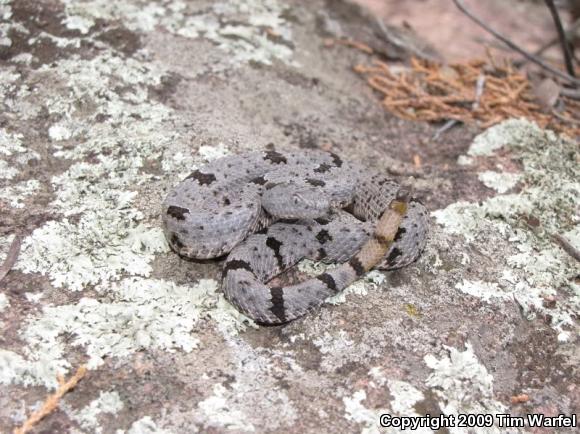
pixel 268 210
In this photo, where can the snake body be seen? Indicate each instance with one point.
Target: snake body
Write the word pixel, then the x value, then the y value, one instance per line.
pixel 270 209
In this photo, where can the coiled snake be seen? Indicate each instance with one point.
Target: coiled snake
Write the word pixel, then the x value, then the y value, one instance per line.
pixel 271 209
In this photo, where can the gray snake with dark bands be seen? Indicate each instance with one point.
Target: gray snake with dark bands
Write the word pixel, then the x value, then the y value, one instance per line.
pixel 270 209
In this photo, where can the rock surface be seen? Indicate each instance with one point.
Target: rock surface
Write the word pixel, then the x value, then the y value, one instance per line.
pixel 107 105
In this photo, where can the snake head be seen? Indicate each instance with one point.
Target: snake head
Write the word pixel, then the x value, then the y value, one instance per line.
pixel 291 201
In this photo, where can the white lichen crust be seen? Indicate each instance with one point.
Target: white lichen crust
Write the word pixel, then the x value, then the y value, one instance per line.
pixel 525 222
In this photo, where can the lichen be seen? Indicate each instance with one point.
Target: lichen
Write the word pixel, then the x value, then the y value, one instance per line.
pixel 4 302
pixel 521 225
pixel 240 397
pixel 338 344
pixel 88 416
pixel 41 369
pixel 509 133
pixel 11 145
pixel 500 182
pixel 405 397
pixel 16 194
pixel 247 31
pixel 463 385
pixel 484 290
pixel 7 172
pixel 220 415
pixel 100 248
pixel 5 15
pixel 355 411
pixel 145 425
pixel 141 313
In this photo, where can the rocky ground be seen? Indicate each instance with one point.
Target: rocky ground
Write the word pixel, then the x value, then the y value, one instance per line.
pixel 107 105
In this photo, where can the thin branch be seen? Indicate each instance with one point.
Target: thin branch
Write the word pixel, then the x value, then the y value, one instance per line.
pixel 446 126
pixel 515 47
pixel 562 36
pixel 478 91
pixel 564 118
pixel 51 403
pixel 565 244
pixel 400 42
pixel 568 33
pixel 11 257
pixel 570 93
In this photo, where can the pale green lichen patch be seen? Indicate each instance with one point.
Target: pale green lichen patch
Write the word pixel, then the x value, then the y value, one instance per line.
pixel 101 247
pixel 250 366
pixel 5 15
pixel 405 397
pixel 145 425
pixel 483 290
pixel 11 145
pixel 6 171
pixel 245 37
pixel 141 313
pixel 356 412
pixel 8 78
pixel 328 344
pixel 463 385
pixel 16 194
pixel 247 31
pixel 218 413
pixel 4 302
pixel 520 225
pixel 500 182
pixel 109 403
pixel 511 133
pixel 110 238
pixel 38 369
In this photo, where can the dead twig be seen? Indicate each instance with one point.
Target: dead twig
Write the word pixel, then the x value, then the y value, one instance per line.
pixel 568 34
pixel 402 43
pixel 570 93
pixel 519 399
pixel 349 43
pixel 11 257
pixel 52 401
pixel 562 36
pixel 513 46
pixel 446 126
pixel 565 244
pixel 565 119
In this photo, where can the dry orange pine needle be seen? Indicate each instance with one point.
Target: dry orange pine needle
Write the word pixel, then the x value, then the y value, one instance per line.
pixel 51 403
pixel 479 91
pixel 519 399
pixel 417 161
pixel 349 43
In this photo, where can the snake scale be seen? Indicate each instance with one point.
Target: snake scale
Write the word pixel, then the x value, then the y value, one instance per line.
pixel 270 209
